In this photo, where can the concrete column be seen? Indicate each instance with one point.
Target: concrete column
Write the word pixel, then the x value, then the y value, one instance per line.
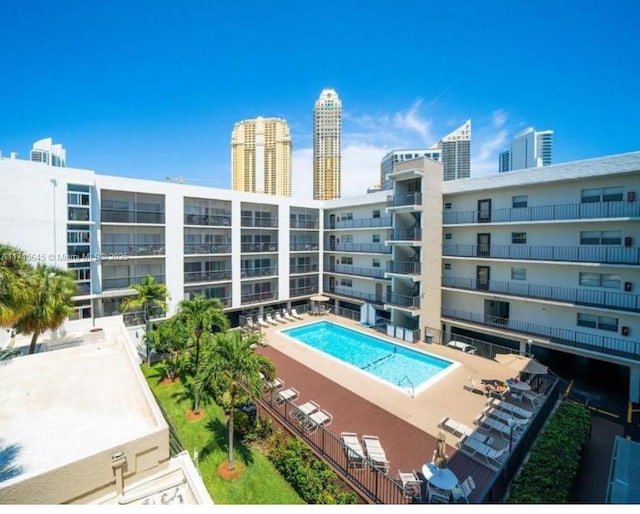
pixel 634 384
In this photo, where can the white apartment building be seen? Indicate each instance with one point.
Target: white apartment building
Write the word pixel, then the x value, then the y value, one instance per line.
pixel 550 259
pixel 529 149
pixel 46 152
pixel 394 156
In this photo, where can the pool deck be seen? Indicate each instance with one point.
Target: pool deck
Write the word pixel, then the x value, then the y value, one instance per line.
pixel 407 427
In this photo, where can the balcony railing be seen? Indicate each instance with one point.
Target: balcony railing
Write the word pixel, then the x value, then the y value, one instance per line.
pixel 411 302
pixel 401 200
pixel 355 270
pixel 127 282
pixel 304 268
pixel 628 348
pixel 135 216
pixel 360 247
pixel 258 297
pixel 383 221
pixel 259 222
pixel 601 254
pixel 258 272
pixel 207 276
pixel 574 211
pixel 592 297
pixel 207 248
pixel 117 251
pixel 303 291
pixel 353 293
pixel 78 252
pixel 406 234
pixel 404 267
pixel 209 220
pixel 305 224
pixel 259 247
pixel 304 247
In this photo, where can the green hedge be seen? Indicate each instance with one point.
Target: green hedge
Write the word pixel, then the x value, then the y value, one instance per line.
pixel 312 479
pixel 551 471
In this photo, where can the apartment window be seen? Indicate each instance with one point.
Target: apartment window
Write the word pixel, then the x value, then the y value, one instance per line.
pixel 518 238
pixel 607 194
pixel 518 273
pixel 590 195
pixel 598 322
pixel 347 239
pixel 347 260
pixel 518 202
pixel 346 282
pixel 376 213
pixel 608 280
pixel 375 263
pixel 601 237
pixel 346 216
pixel 375 238
pixel 448 236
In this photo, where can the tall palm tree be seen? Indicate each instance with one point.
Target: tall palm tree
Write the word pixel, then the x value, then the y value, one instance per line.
pixel 51 304
pixel 15 293
pixel 232 363
pixel 151 295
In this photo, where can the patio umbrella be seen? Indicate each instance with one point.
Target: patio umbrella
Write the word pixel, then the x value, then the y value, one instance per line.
pixel 320 298
pixel 522 364
pixel 440 455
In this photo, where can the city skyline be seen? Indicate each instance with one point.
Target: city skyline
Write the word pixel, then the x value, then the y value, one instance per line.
pixel 159 99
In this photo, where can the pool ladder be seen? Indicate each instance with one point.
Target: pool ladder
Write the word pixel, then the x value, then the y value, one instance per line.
pixel 412 393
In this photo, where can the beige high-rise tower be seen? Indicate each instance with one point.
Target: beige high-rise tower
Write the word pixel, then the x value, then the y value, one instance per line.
pixel 327 146
pixel 261 156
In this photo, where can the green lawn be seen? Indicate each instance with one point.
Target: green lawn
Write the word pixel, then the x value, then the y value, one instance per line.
pixel 260 482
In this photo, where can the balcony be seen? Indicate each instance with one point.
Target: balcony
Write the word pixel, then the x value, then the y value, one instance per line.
pixel 259 297
pixel 304 224
pixel 78 214
pixel 355 271
pixel 208 220
pixel 269 247
pixel 399 300
pixel 404 200
pixel 303 291
pixel 383 221
pixel 352 293
pixel 127 282
pixel 303 268
pixel 304 247
pixel 406 234
pixel 359 247
pixel 591 297
pixel 119 251
pixel 207 276
pixel 626 348
pixel 259 222
pixel 404 267
pixel 574 211
pixel 129 216
pixel 599 254
pixel 258 272
pixel 207 248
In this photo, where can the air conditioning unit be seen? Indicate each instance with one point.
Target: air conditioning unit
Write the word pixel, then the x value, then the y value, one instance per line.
pixel 628 286
pixel 631 196
pixel 625 331
pixel 628 241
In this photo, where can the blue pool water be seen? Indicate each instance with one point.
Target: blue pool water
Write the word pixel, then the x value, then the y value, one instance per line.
pixel 383 359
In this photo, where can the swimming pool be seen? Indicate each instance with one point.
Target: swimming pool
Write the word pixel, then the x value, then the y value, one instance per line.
pixel 397 365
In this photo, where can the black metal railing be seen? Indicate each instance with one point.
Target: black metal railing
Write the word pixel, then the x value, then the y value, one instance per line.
pixel 207 276
pixel 131 216
pixel 592 297
pixel 259 247
pixel 304 268
pixel 401 200
pixel 360 247
pixel 303 291
pixel 384 221
pixel 354 293
pixel 404 267
pixel 591 253
pixel 207 248
pixel 258 272
pixel 354 270
pixel 258 297
pixel 406 234
pixel 411 302
pixel 209 220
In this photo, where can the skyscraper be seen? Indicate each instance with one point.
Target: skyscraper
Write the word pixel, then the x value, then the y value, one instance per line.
pixel 386 165
pixel 529 149
pixel 46 152
pixel 261 156
pixel 456 152
pixel 327 147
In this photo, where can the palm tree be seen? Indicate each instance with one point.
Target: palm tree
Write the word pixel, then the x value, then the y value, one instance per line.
pixel 151 295
pixel 15 293
pixel 232 364
pixel 51 304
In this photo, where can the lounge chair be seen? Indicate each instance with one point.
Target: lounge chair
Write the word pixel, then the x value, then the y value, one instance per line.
pixel 411 484
pixel 287 316
pixel 464 490
pixel 285 395
pixel 318 418
pixel 511 408
pixel 270 320
pixel 493 458
pixel 534 398
pixel 262 322
pixel 279 318
pixel 353 450
pixel 295 314
pixel 475 387
pixel 506 432
pixel 250 324
pixel 463 431
pixel 300 412
pixel 375 452
pixel 271 385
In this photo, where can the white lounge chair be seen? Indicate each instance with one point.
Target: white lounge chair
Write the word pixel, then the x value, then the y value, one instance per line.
pixel 318 418
pixel 511 408
pixel 411 484
pixel 270 320
pixel 353 450
pixel 279 318
pixel 464 490
pixel 295 314
pixel 493 458
pixel 506 432
pixel 287 316
pixel 534 398
pixel 375 452
pixel 463 431
pixel 504 416
pixel 271 385
pixel 250 324
pixel 285 395
pixel 300 412
pixel 262 322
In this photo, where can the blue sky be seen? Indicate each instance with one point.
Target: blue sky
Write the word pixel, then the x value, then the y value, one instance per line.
pixel 153 89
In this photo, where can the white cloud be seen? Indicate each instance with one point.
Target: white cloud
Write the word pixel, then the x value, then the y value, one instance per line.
pixel 412 121
pixel 486 144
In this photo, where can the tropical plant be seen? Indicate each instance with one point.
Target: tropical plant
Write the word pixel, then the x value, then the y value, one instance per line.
pixel 51 303
pixel 170 340
pixel 151 296
pixel 15 293
pixel 231 361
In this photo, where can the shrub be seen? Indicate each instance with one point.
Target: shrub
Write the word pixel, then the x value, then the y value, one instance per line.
pixel 551 471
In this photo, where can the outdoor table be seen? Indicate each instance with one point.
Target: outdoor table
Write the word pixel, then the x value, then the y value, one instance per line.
pixel 518 386
pixel 444 479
